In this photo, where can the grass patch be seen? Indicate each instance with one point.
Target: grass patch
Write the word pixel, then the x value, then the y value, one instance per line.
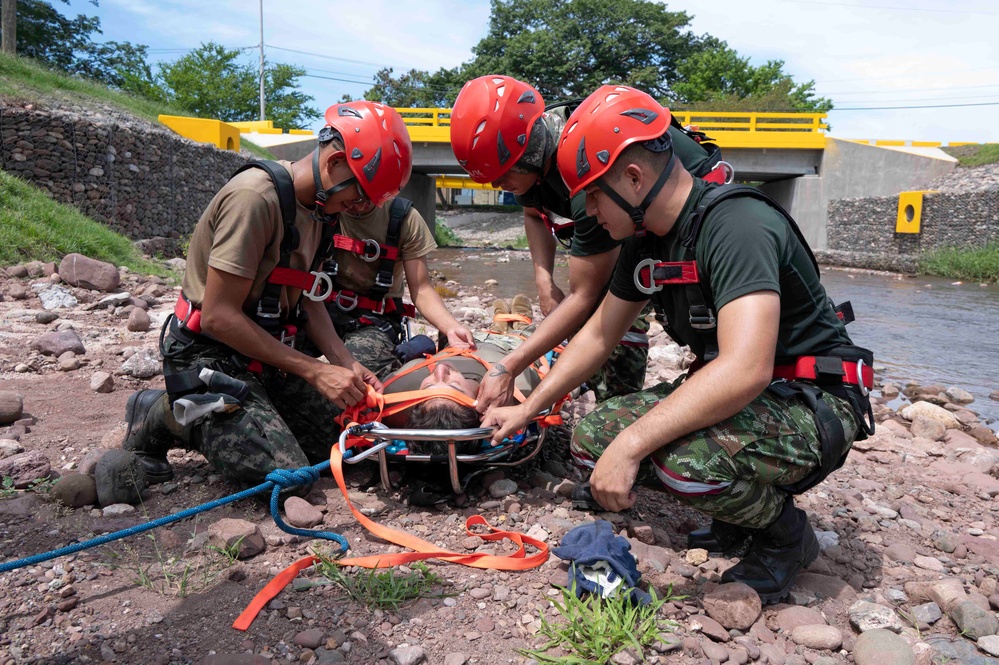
pixel 520 242
pixel 445 236
pixel 971 265
pixel 255 150
pixel 22 78
pixel 383 589
pixel 974 155
pixel 595 628
pixel 33 227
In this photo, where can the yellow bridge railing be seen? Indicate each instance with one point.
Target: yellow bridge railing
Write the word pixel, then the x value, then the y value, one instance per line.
pixel 729 129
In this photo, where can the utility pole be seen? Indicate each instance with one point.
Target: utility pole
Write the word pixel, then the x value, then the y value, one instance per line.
pixel 8 24
pixel 262 110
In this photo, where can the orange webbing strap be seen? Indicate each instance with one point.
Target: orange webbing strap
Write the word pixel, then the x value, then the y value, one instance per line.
pixel 513 318
pixel 518 560
pixel 376 406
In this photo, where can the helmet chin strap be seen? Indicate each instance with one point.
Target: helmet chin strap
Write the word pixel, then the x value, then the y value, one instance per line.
pixel 637 213
pixel 323 195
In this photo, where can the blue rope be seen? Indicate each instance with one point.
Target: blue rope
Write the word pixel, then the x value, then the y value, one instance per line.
pixel 275 481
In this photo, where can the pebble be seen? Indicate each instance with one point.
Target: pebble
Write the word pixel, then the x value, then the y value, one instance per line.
pixel 407 655
pixel 928 563
pixel 928 613
pixel 989 644
pixel 865 616
pixel 102 382
pixel 503 487
pixel 973 621
pixel 817 637
pixel 733 605
pixel 882 647
pixel 696 556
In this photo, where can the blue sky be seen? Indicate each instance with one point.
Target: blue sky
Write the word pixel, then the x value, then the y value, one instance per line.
pixel 861 53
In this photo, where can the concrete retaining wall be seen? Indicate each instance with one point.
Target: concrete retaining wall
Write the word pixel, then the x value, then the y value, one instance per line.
pixel 141 181
pixel 859 228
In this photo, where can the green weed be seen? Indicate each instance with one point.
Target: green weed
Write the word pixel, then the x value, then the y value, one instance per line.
pixel 385 589
pixel 595 628
pixel 968 264
pixel 172 575
pixel 520 242
pixel 975 155
pixel 444 236
pixel 7 488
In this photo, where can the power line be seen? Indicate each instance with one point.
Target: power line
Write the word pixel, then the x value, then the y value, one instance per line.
pixel 895 76
pixel 864 92
pixel 895 108
pixel 895 8
pixel 330 57
pixel 919 99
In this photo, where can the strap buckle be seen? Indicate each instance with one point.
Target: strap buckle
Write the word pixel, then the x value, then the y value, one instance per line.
pixel 374 248
pixel 345 300
pixel 266 312
pixel 860 378
pixel 381 307
pixel 653 287
pixel 728 169
pixel 383 284
pixel 322 279
pixel 331 267
pixel 287 336
pixel 703 321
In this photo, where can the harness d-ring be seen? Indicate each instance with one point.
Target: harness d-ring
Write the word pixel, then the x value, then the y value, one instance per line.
pixel 375 249
pixel 653 287
pixel 860 378
pixel 344 302
pixel 322 279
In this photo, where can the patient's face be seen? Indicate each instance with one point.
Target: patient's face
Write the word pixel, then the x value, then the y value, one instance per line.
pixel 446 376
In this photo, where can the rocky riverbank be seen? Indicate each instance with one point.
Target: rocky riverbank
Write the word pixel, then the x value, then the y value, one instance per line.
pixel 908 527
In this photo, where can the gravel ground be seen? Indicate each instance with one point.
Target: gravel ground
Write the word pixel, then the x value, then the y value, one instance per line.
pixel 908 526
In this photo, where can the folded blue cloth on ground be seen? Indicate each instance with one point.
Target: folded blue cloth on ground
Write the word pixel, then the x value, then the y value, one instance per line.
pixel 600 561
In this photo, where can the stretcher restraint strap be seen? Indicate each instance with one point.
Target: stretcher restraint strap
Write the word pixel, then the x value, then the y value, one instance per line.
pixel 422 550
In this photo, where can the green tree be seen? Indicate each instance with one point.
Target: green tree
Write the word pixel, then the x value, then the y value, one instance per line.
pixel 212 82
pixel 719 79
pixel 568 48
pixel 66 43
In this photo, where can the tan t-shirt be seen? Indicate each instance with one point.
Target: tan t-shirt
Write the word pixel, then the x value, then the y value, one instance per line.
pixel 240 233
pixel 415 240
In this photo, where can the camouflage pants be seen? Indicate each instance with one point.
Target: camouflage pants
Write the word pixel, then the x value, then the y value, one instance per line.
pixel 733 470
pixel 624 371
pixel 369 344
pixel 284 423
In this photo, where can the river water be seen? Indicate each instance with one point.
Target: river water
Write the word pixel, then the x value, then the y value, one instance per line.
pixel 924 329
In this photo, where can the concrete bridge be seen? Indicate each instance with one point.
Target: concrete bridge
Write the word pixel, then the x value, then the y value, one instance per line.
pixel 789 155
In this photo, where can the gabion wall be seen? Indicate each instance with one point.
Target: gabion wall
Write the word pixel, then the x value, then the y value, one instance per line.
pixel 969 219
pixel 141 181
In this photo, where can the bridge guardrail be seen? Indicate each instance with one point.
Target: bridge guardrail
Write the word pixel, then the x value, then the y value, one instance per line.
pixel 729 129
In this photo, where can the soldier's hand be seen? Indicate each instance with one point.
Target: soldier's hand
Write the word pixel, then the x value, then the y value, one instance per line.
pixel 613 478
pixel 550 297
pixel 507 420
pixel 460 337
pixel 495 390
pixel 340 385
pixel 367 376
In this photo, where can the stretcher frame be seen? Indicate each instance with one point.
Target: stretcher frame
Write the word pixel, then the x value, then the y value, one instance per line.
pixel 382 437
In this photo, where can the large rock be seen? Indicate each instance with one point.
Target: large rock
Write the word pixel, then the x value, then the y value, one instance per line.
pixel 973 621
pixel 25 468
pixel 11 406
pixel 10 447
pixel 734 605
pixel 958 651
pixel 946 593
pixel 825 586
pixel 120 478
pixel 959 395
pixel 302 514
pixel 791 617
pixel 144 364
pixel 928 428
pixel 882 647
pixel 228 532
pixel 58 343
pixel 931 411
pixel 101 382
pixel 57 297
pixel 75 490
pixel 79 270
pixel 865 616
pixel 138 320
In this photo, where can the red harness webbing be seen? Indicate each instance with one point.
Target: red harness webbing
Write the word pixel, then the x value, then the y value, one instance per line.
pixel 664 273
pixel 805 368
pixel 368 250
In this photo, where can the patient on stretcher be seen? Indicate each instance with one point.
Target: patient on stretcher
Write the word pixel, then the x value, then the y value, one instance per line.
pixel 463 373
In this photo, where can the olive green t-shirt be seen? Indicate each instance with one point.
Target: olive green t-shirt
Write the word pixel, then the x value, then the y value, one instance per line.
pixel 240 233
pixel 489 347
pixel 744 246
pixel 415 241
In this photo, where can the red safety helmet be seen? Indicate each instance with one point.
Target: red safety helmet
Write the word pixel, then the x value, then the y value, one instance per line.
pixel 490 124
pixel 379 151
pixel 607 122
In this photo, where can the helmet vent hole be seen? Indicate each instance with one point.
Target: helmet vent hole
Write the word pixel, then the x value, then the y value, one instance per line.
pixel 500 90
pixel 496 106
pixel 475 142
pixel 481 127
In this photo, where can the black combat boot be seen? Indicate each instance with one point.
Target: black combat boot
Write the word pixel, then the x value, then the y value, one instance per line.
pixel 148 435
pixel 729 539
pixel 777 554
